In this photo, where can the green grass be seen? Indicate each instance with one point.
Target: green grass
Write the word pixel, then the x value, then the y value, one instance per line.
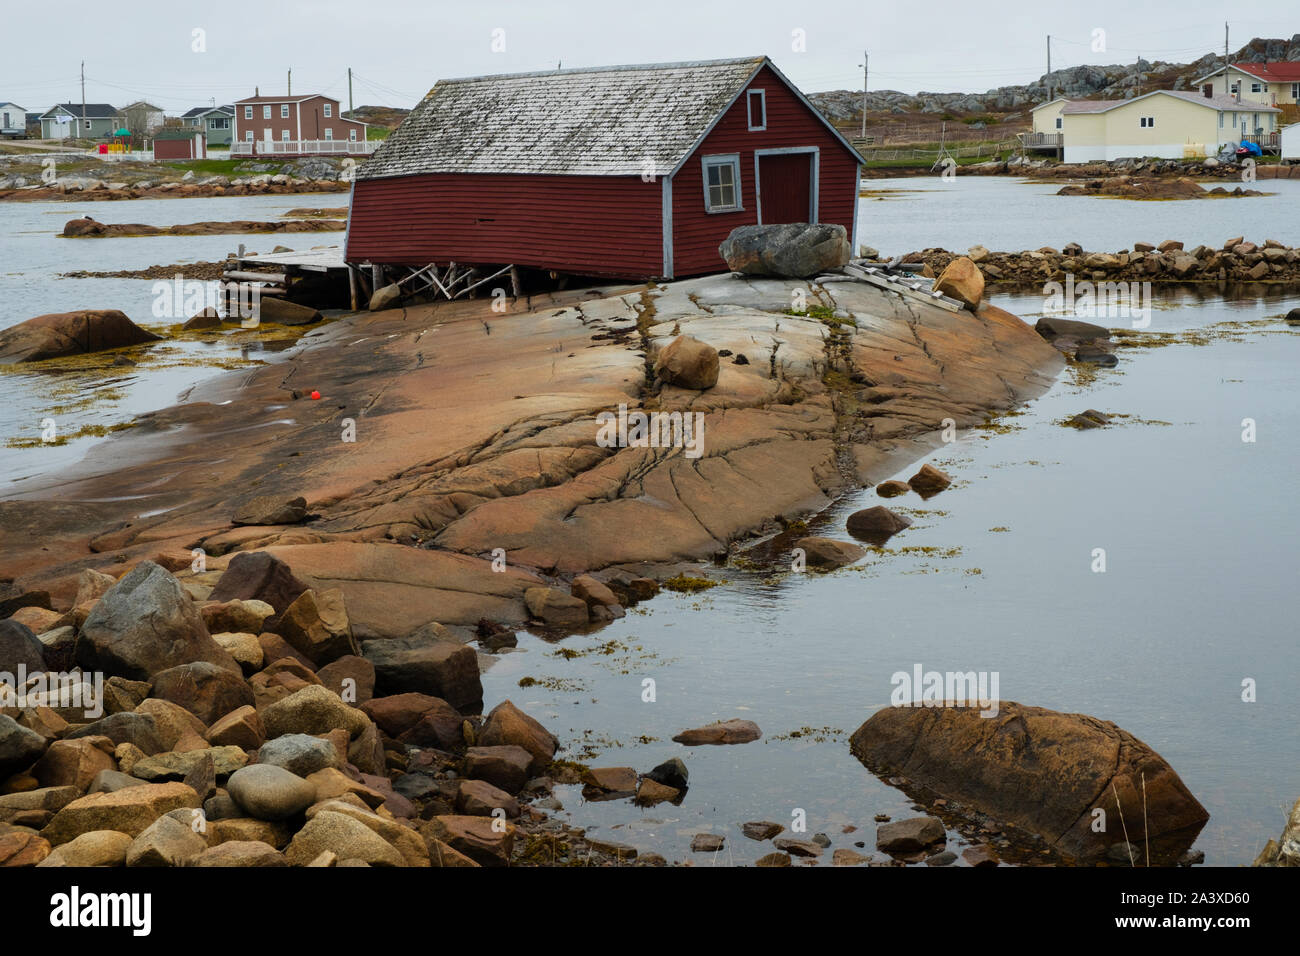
pixel 377 132
pixel 208 167
pixel 927 163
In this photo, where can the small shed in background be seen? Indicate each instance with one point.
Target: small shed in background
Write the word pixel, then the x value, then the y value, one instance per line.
pixel 179 143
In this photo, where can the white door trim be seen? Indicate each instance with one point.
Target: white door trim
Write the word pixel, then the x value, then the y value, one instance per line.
pixel 814 201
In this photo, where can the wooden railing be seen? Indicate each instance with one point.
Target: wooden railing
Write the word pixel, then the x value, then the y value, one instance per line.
pixel 304 147
pixel 1042 140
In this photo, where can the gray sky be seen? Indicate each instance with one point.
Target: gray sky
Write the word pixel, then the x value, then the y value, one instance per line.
pixel 398 48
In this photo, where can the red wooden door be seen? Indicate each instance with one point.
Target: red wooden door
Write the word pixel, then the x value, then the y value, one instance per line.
pixel 785 187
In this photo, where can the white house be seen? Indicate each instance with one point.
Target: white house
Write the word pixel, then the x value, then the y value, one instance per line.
pixel 1291 141
pixel 1165 124
pixel 13 120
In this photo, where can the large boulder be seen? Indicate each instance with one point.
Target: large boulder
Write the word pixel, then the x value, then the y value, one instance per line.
pixel 508 725
pixel 312 710
pixel 19 746
pixel 273 308
pixel 442 669
pixel 876 524
pixel 130 810
pixel 147 623
pixel 687 363
pixel 267 792
pixel 794 250
pixel 316 626
pixel 963 281
pixel 827 554
pixel 257 576
pixel 556 608
pixel 1040 770
pixel 70 333
pixel 207 691
pixel 271 510
pixel 346 837
pixel 19 646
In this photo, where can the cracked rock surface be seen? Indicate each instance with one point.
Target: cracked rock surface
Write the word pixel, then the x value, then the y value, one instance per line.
pixel 475 433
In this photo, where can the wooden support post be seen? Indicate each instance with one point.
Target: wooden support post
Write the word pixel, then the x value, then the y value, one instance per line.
pixel 352 289
pixel 377 276
pixel 516 285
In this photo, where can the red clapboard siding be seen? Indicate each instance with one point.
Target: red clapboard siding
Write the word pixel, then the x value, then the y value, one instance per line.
pixel 587 225
pixel 697 233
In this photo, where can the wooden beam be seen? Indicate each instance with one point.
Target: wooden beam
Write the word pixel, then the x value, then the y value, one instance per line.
pixel 352 289
pixel 481 281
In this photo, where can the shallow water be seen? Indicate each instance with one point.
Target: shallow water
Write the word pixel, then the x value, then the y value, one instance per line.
pixel 85 395
pixel 1198 530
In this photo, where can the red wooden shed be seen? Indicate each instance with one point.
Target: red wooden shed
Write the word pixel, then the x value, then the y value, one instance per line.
pixel 624 172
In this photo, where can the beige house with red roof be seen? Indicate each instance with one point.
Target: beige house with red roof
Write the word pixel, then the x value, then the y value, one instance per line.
pixel 1273 84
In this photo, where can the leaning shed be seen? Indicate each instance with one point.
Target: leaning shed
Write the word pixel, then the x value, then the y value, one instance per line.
pixel 621 172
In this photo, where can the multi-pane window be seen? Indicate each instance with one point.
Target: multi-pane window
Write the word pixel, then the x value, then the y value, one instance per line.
pixel 284 111
pixel 284 135
pixel 329 110
pixel 722 183
pixel 248 112
pixel 266 112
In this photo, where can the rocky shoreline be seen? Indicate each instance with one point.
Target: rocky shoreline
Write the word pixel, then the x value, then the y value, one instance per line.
pixel 326 586
pixel 1236 260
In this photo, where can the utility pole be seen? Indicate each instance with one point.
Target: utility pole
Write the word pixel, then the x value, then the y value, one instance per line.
pixel 864 94
pixel 1049 68
pixel 349 91
pixel 81 132
pixel 289 90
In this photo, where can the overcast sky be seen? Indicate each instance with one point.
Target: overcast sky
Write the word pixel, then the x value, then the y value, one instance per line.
pixel 398 48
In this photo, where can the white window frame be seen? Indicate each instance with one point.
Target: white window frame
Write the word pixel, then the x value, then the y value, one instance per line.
pixel 266 111
pixel 749 109
pixel 248 136
pixel 284 136
pixel 722 159
pixel 329 132
pixel 1059 122
pixel 1148 122
pixel 352 136
pixel 329 110
pixel 1256 88
pixel 284 111
pixel 1295 91
pixel 248 112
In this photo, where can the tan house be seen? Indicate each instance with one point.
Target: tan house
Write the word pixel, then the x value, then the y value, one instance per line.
pixel 1166 124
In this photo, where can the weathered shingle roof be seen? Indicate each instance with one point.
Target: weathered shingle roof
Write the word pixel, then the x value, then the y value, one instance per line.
pixel 611 121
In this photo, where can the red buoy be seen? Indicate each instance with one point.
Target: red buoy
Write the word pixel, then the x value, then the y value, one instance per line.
pixel 315 395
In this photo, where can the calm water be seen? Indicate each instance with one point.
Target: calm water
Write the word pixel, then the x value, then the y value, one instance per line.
pixel 1196 525
pixel 1006 215
pixel 89 396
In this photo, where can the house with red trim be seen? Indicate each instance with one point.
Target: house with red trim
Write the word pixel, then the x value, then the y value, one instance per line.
pixel 630 172
pixel 307 125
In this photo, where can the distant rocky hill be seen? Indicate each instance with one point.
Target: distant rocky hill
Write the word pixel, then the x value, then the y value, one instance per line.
pixel 1118 81
pixel 386 116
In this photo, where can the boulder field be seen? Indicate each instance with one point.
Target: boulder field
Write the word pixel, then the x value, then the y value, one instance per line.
pixel 473 441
